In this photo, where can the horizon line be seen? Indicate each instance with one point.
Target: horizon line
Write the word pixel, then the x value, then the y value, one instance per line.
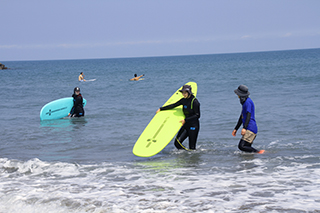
pixel 163 56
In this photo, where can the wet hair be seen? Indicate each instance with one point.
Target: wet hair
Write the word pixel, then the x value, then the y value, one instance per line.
pixel 135 75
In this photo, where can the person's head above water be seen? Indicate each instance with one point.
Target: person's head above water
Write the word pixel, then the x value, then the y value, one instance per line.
pixel 135 75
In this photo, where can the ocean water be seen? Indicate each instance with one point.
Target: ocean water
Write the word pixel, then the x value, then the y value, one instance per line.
pixel 86 164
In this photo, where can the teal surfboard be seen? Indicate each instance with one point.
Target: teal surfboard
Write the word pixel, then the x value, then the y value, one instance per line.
pixel 57 109
pixel 162 128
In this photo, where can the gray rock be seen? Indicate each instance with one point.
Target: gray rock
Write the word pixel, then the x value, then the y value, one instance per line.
pixel 2 67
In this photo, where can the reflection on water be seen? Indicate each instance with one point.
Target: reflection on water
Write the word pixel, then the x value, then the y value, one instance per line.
pixel 182 159
pixel 158 166
pixel 62 138
pixel 189 159
pixel 65 123
pixel 78 122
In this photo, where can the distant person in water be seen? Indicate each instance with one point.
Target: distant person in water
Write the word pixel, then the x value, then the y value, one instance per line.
pixel 190 125
pixel 247 118
pixel 77 109
pixel 81 77
pixel 136 78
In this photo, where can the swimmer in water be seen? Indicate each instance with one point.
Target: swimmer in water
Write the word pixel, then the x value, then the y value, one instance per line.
pixel 81 77
pixel 136 78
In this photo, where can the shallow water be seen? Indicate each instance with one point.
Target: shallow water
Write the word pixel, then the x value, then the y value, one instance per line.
pixel 87 165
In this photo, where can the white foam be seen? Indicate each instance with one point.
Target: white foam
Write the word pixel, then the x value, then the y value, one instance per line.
pixel 157 186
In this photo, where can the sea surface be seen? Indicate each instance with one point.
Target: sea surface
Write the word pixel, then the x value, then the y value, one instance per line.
pixel 87 165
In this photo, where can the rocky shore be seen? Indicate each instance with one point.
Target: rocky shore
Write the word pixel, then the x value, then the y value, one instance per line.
pixel 3 67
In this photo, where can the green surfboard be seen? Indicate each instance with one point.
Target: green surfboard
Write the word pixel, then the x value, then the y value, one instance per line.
pixel 162 128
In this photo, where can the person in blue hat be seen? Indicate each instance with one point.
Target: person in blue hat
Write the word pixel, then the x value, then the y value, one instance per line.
pixel 190 125
pixel 247 118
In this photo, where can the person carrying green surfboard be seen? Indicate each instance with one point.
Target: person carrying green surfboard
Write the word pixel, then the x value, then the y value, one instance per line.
pixel 190 125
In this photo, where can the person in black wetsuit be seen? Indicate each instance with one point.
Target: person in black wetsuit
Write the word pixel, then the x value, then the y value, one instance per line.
pixel 190 125
pixel 77 109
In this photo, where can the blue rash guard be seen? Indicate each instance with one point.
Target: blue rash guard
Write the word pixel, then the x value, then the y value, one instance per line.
pixel 248 107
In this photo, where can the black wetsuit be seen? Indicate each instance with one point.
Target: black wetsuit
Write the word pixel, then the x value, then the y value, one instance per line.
pixel 77 109
pixel 244 145
pixel 191 110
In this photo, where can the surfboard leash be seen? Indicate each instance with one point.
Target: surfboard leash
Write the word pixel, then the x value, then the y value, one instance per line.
pixel 182 145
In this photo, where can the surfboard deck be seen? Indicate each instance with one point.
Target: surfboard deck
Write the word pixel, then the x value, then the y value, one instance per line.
pixel 162 128
pixel 87 80
pixel 140 79
pixel 58 108
pixel 91 80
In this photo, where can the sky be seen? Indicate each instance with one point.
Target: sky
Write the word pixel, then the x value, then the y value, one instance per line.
pixel 87 29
